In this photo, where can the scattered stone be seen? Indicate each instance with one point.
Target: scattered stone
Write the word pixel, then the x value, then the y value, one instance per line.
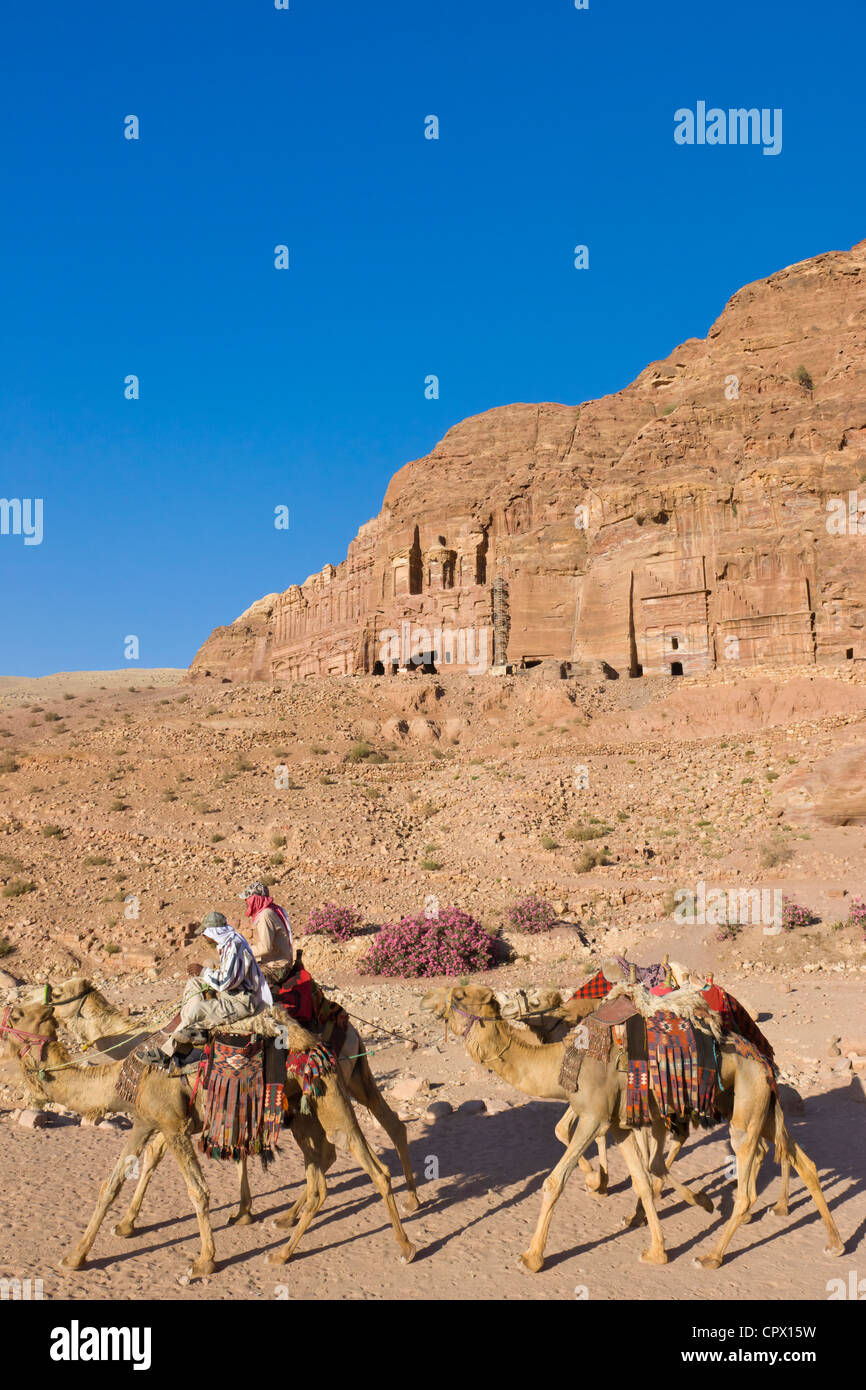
pixel 496 1107
pixel 472 1107
pixel 438 1110
pixel 408 1087
pixel 33 1119
pixel 855 1046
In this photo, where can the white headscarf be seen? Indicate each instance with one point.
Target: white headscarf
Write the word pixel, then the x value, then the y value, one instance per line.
pixel 238 966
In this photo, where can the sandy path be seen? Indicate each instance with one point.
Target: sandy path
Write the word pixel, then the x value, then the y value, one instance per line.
pixel 477 1216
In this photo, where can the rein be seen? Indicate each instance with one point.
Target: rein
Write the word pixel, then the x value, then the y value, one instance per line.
pixel 73 998
pixel 451 1007
pixel 20 1034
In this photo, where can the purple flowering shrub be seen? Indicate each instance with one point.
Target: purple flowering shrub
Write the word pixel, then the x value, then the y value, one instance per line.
pixel 857 915
pixel 339 923
pixel 531 914
pixel 452 943
pixel 794 915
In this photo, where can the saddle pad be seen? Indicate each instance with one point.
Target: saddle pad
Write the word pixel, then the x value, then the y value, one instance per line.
pixel 133 1069
pixel 571 1064
pixel 596 988
pixel 614 1011
pixel 234 1104
pixel 676 1065
pixel 747 1048
pixel 588 1039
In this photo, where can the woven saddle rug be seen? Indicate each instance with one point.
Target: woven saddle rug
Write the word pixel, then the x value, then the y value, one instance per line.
pixel 593 1038
pixel 243 1108
pixel 676 1062
pixel 133 1069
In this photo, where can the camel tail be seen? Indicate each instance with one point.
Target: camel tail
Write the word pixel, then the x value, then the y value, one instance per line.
pixel 784 1144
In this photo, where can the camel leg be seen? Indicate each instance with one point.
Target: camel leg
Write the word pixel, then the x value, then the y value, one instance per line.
pixel 595 1182
pixel 347 1124
pixel 809 1173
pixel 139 1135
pixel 781 1207
pixel 318 1153
pixel 634 1154
pixel 381 1180
pixel 661 1170
pixel 184 1155
pixel 745 1144
pixel 153 1155
pixel 363 1088
pixel 244 1214
pixel 585 1131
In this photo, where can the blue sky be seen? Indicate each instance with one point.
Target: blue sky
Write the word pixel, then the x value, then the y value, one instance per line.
pixel 408 257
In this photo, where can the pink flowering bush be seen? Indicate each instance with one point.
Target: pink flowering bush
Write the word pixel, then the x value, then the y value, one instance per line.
pixel 794 916
pixel 857 915
pixel 453 943
pixel 531 914
pixel 339 923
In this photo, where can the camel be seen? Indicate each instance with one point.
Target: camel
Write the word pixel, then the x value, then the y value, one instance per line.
pixel 550 1018
pixel 28 1033
pixel 599 1106
pixel 93 1020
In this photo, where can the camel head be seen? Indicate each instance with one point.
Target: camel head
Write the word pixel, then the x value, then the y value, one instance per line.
pixel 22 1025
pixel 529 1001
pixel 67 998
pixel 460 1002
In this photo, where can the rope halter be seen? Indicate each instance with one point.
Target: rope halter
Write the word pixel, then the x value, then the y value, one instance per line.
pixel 21 1035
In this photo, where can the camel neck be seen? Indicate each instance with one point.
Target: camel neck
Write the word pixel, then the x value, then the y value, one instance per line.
pixel 78 1088
pixel 530 1067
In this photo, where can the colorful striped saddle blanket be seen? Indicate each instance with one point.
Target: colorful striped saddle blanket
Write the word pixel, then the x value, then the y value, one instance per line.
pixel 664 1056
pixel 675 1063
pixel 243 1108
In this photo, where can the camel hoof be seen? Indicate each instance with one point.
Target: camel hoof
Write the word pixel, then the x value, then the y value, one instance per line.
pixel 834 1250
pixel 69 1264
pixel 631 1223
pixel 533 1263
pixel 779 1211
pixel 241 1218
pixel 125 1229
pixel 706 1262
pixel 408 1255
pixel 277 1257
pixel 704 1201
pixel 199 1269
pixel 652 1257
pixel 280 1223
pixel 411 1203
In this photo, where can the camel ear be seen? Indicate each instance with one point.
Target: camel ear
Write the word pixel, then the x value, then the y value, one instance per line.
pixel 486 996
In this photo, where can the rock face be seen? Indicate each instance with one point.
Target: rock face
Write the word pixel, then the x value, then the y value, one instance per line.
pixel 707 513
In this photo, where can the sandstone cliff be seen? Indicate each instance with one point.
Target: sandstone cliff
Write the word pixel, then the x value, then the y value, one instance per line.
pixel 676 525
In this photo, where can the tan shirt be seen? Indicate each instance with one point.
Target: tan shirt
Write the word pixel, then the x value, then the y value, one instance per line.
pixel 269 939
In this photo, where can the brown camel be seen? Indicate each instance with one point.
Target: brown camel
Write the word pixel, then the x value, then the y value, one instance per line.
pixel 28 1033
pixel 550 1018
pixel 93 1020
pixel 599 1105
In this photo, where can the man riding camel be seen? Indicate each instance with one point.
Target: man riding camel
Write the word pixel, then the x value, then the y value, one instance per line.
pixel 216 996
pixel 271 935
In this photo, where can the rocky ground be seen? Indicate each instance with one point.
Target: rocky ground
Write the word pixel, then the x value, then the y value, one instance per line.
pixel 131 806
